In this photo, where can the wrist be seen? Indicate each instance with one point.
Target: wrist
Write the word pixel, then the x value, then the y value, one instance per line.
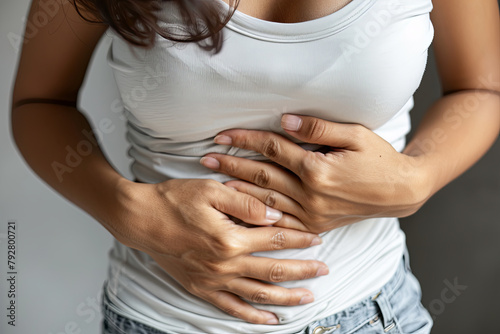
pixel 137 216
pixel 417 176
pixel 122 211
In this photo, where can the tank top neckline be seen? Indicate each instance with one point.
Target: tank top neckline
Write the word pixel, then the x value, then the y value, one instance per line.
pixel 299 31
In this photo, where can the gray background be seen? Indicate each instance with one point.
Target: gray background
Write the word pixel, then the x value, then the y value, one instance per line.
pixel 62 251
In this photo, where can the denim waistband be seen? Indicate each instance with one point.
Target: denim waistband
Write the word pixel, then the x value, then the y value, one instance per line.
pixel 114 322
pixel 374 308
pixel 371 310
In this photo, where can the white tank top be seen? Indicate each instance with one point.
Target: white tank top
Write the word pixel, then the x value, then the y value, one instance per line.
pixel 361 64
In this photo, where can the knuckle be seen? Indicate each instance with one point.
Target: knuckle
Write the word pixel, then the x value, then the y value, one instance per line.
pixel 309 270
pixel 310 170
pixel 272 148
pixel 285 297
pixel 231 167
pixel 244 142
pixel 210 185
pixel 261 178
pixel 256 319
pixel 278 241
pixel 193 288
pixel 288 299
pixel 253 206
pixel 261 297
pixel 317 130
pixel 227 247
pixel 319 179
pixel 216 268
pixel 313 205
pixel 231 311
pixel 277 273
pixel 228 252
pixel 304 239
pixel 270 199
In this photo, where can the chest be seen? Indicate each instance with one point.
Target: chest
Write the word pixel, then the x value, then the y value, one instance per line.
pixel 289 11
pixel 364 73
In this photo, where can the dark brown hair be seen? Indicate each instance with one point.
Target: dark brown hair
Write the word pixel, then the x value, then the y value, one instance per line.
pixel 138 21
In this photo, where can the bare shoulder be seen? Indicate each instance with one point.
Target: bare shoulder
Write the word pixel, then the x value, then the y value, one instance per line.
pixel 58 43
pixel 467 44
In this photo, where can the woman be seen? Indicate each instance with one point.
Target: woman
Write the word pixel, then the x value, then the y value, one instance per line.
pixel 287 223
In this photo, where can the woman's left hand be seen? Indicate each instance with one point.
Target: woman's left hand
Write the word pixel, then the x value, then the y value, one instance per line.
pixel 359 176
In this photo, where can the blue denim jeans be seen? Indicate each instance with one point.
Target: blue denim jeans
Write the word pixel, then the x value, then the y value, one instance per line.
pixel 395 309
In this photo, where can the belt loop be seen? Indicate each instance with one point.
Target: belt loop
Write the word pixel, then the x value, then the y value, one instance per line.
pixel 386 310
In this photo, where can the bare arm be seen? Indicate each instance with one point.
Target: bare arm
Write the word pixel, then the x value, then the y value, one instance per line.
pixel 362 176
pixel 44 117
pixel 461 126
pixel 181 224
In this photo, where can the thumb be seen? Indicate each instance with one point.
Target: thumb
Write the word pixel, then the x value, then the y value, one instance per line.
pixel 318 131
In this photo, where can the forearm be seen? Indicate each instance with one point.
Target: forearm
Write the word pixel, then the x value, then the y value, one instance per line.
pixel 457 130
pixel 57 143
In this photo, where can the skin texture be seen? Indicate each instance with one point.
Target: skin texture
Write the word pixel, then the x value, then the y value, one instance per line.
pixel 362 176
pixel 289 11
pixel 177 220
pixel 319 191
pixel 183 225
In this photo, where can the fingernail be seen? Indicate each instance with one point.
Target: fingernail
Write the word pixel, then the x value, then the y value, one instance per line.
pixel 272 320
pixel 273 214
pixel 316 241
pixel 306 299
pixel 291 122
pixel 223 140
pixel 322 271
pixel 210 162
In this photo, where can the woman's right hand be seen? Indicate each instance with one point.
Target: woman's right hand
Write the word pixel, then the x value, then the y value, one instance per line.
pixel 180 223
pixel 183 225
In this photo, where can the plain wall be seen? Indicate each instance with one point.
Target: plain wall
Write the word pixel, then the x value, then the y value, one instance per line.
pixel 62 251
pixel 454 239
